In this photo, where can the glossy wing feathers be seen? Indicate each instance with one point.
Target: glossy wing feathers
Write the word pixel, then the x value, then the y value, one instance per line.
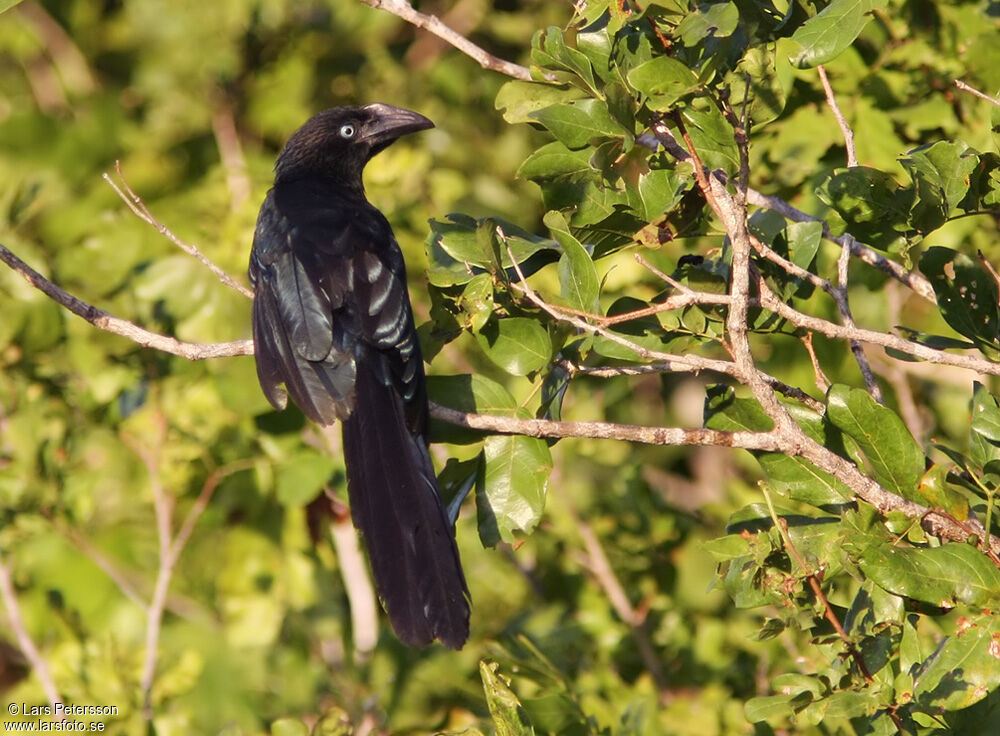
pixel 302 338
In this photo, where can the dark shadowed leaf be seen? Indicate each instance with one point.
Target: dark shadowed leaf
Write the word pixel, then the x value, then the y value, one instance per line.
pixel 966 293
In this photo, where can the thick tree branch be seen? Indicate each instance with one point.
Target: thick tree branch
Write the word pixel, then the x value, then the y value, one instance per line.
pixel 546 428
pixel 102 320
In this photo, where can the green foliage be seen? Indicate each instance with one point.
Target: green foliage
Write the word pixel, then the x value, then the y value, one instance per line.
pixel 617 588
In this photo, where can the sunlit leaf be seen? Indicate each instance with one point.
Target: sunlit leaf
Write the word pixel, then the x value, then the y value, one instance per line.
pixel 897 461
pixel 824 36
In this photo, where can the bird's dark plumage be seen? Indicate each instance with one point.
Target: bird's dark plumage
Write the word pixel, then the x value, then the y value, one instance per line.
pixel 333 329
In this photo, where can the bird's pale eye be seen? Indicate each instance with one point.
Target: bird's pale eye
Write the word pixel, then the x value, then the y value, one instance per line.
pixel 346 131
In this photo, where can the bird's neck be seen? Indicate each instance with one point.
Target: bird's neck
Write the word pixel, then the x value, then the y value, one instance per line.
pixel 315 188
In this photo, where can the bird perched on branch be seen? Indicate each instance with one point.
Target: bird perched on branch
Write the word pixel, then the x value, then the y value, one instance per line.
pixel 332 323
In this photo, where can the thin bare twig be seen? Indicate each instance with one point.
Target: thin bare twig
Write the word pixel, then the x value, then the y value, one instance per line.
pixel 431 23
pixel 732 212
pixel 770 301
pixel 831 100
pixel 972 90
pixel 844 306
pixel 789 440
pixel 138 207
pixel 227 140
pixel 170 545
pixel 822 382
pixel 913 280
pixel 24 641
pixel 162 508
pixel 682 288
pixel 597 563
pixel 605 430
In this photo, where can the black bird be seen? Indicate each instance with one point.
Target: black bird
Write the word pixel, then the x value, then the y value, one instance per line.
pixel 332 322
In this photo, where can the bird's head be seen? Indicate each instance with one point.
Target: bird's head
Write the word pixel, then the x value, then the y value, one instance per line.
pixel 340 141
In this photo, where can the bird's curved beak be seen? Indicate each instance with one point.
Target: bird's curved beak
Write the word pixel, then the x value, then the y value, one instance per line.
pixel 389 123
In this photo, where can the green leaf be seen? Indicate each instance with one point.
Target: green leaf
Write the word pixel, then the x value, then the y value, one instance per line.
pixel 966 294
pixel 462 248
pixel 511 496
pixel 850 704
pixel 713 137
pixel 334 722
pixel 875 208
pixel 984 432
pixel 718 20
pixel 727 548
pixel 517 344
pixel 941 174
pixel 477 302
pixel 518 100
pixel 551 52
pixel 897 462
pixel 556 161
pixel 755 84
pixel 578 278
pixel 824 36
pixel 775 707
pixel 937 493
pixel 509 717
pixel 661 190
pixel 575 124
pixel 794 476
pixel 963 669
pixel 472 394
pixel 289 727
pixel 941 576
pixel 664 80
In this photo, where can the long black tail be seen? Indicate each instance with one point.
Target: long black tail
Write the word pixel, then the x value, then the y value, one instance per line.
pixel 396 504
